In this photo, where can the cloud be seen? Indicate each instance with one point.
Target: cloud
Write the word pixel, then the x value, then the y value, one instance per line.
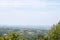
pixel 26 3
pixel 21 3
pixel 28 12
pixel 30 18
pixel 22 18
pixel 53 4
pixel 38 4
pixel 13 3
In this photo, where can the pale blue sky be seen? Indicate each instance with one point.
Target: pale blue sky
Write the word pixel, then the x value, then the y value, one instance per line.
pixel 29 12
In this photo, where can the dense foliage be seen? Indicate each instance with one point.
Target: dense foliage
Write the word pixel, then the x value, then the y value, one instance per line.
pixel 54 33
pixel 11 36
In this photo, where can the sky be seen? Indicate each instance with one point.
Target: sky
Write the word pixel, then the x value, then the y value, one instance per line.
pixel 29 12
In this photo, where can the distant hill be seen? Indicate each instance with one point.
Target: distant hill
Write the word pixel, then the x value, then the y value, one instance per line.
pixel 37 27
pixel 30 27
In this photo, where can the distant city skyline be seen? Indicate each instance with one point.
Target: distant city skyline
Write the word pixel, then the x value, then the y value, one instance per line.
pixel 29 12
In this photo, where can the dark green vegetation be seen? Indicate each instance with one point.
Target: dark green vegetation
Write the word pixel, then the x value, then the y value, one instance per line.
pixel 30 34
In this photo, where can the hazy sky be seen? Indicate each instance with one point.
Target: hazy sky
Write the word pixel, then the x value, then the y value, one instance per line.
pixel 29 12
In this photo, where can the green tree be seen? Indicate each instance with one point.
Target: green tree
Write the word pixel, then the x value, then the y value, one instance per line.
pixel 40 37
pixel 1 38
pixel 54 33
pixel 12 36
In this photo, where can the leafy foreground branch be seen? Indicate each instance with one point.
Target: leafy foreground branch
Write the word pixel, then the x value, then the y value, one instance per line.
pixel 53 34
